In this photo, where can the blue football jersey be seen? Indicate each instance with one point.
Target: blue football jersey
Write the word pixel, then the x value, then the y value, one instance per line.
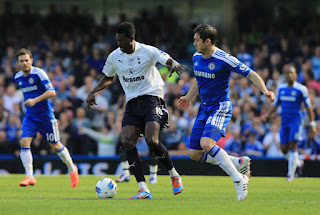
pixel 213 75
pixel 34 85
pixel 290 100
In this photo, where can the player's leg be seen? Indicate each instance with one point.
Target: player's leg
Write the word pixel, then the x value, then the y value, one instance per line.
pixel 129 137
pixel 64 155
pixel 205 132
pixel 27 161
pixel 125 175
pixel 28 131
pixel 156 118
pixel 152 131
pixel 153 168
pixel 289 149
pixel 293 160
pixel 242 164
pixel 50 132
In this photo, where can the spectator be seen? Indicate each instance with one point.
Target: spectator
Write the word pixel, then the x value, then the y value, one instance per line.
pixel 10 98
pixel 316 63
pixel 234 144
pixel 253 146
pixel 105 138
pixel 271 142
pixel 79 141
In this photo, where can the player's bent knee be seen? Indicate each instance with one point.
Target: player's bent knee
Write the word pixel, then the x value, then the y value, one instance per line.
pixel 55 146
pixel 194 156
pixel 25 142
pixel 152 141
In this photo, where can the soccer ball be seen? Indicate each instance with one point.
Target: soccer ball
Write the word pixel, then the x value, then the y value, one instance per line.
pixel 106 188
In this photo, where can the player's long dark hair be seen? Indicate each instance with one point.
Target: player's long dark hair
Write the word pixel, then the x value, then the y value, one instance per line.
pixel 207 32
pixel 126 28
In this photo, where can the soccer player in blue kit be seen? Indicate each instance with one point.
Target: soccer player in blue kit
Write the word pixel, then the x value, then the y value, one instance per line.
pixel 212 68
pixel 37 89
pixel 290 96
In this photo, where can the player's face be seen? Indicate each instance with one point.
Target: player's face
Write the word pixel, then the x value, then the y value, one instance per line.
pixel 199 43
pixel 25 62
pixel 125 43
pixel 291 75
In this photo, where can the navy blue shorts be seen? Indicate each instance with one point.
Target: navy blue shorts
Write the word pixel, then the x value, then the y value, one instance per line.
pixel 144 109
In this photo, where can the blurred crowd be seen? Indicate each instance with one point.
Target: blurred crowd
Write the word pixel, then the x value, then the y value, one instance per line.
pixel 72 49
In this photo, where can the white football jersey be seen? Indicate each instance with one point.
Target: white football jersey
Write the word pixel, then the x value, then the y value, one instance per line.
pixel 137 72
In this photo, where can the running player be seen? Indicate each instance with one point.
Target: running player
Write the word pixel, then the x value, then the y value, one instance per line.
pixel 212 68
pixel 37 89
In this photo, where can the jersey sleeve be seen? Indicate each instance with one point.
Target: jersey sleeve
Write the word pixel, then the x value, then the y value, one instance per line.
pixel 306 99
pixel 160 56
pixel 108 68
pixel 45 81
pixel 236 66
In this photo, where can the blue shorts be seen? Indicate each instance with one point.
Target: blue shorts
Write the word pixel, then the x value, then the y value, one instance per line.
pixel 291 131
pixel 46 125
pixel 212 122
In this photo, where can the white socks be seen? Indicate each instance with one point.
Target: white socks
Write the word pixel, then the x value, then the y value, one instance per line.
pixel 125 167
pixel 64 155
pixel 26 158
pixel 173 172
pixel 293 159
pixel 153 170
pixel 208 159
pixel 143 186
pixel 222 159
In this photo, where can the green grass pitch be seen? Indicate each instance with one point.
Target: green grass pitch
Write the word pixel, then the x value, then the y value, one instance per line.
pixel 201 195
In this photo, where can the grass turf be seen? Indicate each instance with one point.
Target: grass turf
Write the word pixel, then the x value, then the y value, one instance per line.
pixel 201 195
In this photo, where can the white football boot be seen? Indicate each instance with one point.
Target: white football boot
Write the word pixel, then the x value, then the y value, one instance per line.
pixel 242 188
pixel 244 167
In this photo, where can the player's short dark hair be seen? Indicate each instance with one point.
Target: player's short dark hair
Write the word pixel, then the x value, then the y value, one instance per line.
pixel 23 51
pixel 126 28
pixel 207 32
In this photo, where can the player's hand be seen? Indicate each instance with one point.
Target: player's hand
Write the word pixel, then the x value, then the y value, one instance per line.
pixel 30 102
pixel 183 103
pixel 176 67
pixel 313 131
pixel 270 95
pixel 91 100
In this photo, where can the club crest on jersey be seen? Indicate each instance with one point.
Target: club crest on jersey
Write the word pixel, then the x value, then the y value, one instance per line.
pixel 130 71
pixel 293 93
pixel 211 66
pixel 31 81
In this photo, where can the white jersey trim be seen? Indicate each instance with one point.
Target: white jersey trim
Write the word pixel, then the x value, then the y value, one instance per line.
pixel 41 73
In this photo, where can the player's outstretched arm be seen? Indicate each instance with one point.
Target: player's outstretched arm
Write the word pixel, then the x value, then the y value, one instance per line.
pixel 103 83
pixel 174 66
pixel 184 101
pixel 46 95
pixel 257 80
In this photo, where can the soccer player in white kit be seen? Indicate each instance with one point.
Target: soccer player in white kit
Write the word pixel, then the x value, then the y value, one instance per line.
pixel 146 111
